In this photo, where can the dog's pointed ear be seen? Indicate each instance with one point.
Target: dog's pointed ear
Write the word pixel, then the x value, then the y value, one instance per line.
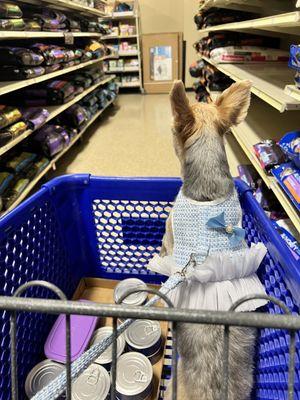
pixel 181 109
pixel 234 102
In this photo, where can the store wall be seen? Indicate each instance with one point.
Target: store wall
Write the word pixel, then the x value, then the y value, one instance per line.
pixel 162 16
pixel 159 16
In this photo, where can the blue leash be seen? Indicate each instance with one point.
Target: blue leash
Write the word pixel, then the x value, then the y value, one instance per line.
pixel 58 386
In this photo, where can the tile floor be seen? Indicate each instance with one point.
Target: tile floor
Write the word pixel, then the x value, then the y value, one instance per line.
pixel 132 139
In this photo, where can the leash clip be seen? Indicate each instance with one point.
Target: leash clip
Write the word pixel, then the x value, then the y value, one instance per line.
pixel 191 264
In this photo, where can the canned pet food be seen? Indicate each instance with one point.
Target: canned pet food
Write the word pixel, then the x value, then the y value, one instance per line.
pixel 92 384
pixel 136 299
pixel 105 358
pixel 134 377
pixel 144 336
pixel 42 374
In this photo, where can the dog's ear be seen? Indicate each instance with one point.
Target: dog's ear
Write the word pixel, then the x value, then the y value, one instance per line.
pixel 233 104
pixel 182 112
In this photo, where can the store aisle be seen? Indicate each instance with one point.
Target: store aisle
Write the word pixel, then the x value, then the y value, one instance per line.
pixel 132 139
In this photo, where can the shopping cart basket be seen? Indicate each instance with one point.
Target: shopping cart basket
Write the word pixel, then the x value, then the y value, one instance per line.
pixel 82 226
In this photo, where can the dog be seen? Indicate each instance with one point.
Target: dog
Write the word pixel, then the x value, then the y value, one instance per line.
pixel 226 267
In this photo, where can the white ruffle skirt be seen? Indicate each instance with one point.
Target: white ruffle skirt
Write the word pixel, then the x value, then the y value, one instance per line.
pixel 219 282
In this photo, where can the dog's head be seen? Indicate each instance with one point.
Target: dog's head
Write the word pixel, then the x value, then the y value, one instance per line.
pixel 207 121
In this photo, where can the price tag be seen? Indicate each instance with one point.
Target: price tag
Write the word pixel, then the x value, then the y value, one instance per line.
pixel 69 38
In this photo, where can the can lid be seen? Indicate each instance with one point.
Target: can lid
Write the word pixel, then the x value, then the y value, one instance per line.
pixel 143 333
pixel 92 384
pixel 135 374
pixel 41 375
pixel 101 334
pixel 136 299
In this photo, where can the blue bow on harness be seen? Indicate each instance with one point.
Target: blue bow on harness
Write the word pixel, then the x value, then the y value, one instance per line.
pixel 236 234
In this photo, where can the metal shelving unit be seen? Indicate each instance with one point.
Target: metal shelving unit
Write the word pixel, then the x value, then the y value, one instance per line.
pixel 272 86
pixel 54 112
pixel 123 70
pixel 52 164
pixel 269 81
pixel 282 23
pixel 110 37
pixel 69 5
pixel 45 35
pixel 256 128
pixel 129 16
pixel 245 5
pixel 9 87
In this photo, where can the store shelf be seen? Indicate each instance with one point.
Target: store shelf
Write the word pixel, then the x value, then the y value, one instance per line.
pixel 130 85
pixel 128 54
pixel 54 112
pixel 284 23
pixel 110 37
pixel 121 55
pixel 7 87
pixel 269 81
pixel 69 5
pixel 121 15
pixel 44 35
pixel 293 91
pixel 53 162
pixel 97 115
pixel 121 71
pixel 246 5
pixel 257 128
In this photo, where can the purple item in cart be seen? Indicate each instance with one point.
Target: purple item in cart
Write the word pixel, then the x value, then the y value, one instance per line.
pixel 35 117
pixel 82 329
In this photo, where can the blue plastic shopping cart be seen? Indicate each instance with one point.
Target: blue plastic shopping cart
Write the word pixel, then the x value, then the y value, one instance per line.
pixel 82 226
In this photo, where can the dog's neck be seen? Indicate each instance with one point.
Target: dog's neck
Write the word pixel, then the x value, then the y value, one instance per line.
pixel 206 174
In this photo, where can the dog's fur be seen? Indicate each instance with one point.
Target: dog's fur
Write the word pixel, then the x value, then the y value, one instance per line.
pixel 198 133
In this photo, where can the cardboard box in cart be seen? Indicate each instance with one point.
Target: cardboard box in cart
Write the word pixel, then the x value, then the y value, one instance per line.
pixel 101 291
pixel 162 61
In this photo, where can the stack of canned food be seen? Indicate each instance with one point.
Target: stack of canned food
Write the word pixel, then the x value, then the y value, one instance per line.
pixel 140 347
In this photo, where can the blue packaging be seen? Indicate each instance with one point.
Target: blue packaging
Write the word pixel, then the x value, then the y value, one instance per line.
pixel 288 177
pixel 290 144
pixel 289 239
pixel 294 61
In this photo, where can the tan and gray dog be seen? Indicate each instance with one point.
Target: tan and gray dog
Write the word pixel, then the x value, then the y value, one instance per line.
pixel 199 144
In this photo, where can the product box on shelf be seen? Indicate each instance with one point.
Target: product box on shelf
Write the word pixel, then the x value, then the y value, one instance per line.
pixel 288 177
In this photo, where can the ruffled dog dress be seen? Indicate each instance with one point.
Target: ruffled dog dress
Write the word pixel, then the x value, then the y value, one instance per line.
pixel 226 266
